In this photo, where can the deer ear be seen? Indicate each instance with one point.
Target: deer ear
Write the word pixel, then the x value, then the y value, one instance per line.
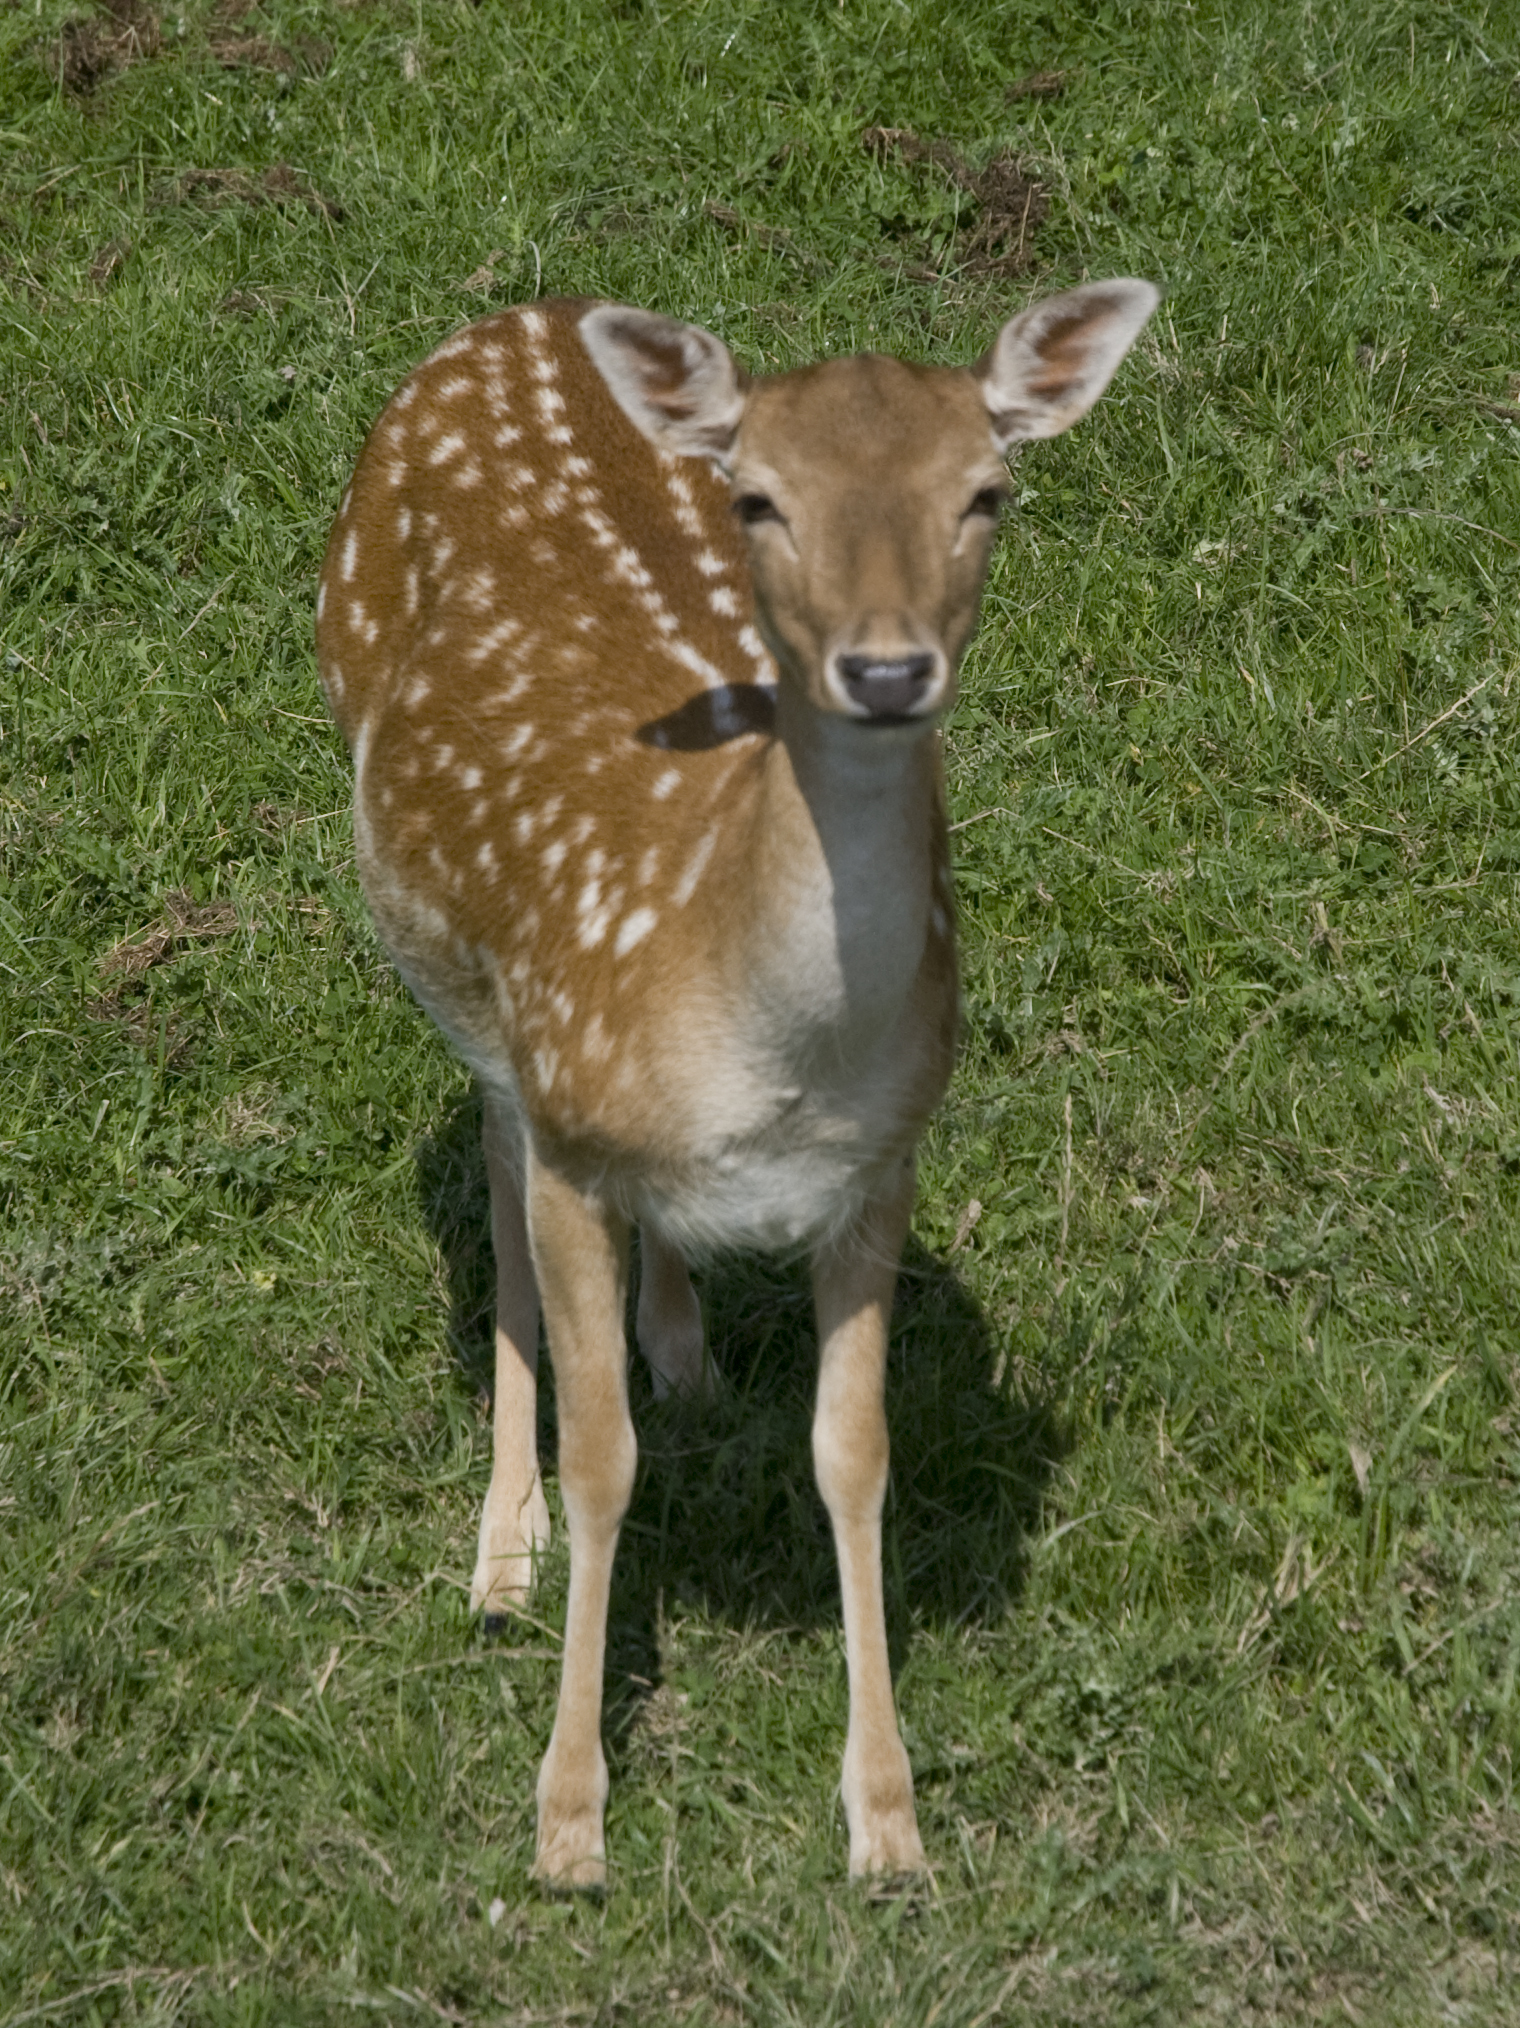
pixel 676 382
pixel 1049 365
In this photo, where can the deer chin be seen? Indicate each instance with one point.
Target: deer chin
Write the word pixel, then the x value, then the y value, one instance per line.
pixel 691 926
pixel 880 725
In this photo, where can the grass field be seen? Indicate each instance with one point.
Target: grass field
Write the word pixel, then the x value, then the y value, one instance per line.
pixel 1203 1562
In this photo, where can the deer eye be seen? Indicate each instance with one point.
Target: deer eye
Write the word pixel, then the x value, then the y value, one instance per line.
pixel 753 507
pixel 988 502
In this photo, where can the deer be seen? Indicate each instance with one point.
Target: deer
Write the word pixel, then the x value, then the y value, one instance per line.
pixel 642 663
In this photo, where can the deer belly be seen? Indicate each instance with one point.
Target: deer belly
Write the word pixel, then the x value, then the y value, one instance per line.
pixel 767 1198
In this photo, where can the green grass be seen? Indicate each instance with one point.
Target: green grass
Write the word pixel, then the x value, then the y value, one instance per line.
pixel 1203 1561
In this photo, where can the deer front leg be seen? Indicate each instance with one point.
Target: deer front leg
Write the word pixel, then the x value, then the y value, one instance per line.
pixel 514 1524
pixel 669 1319
pixel 580 1249
pixel 853 1281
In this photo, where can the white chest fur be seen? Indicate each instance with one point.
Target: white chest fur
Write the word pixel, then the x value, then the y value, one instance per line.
pixel 802 1093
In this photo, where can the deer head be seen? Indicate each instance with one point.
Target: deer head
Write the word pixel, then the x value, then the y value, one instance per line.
pixel 868 489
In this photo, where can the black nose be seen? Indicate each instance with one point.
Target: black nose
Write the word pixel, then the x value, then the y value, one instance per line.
pixel 887 689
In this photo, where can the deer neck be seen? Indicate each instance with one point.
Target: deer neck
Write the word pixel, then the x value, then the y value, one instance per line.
pixel 844 863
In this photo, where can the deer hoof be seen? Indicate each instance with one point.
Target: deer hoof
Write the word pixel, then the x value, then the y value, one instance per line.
pixel 513 1534
pixel 888 1855
pixel 572 1860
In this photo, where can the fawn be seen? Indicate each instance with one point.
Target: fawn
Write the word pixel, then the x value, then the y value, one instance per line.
pixel 642 663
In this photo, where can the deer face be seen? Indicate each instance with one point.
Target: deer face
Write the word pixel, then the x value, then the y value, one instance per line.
pixel 869 492
pixel 868 488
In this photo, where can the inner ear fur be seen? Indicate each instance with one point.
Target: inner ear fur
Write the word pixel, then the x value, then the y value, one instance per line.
pixel 676 382
pixel 1050 364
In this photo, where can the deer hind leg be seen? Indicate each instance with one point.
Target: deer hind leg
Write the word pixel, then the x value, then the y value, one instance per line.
pixel 581 1251
pixel 669 1319
pixel 853 1281
pixel 514 1524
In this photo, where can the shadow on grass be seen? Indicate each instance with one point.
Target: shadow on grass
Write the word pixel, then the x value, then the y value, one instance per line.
pixel 725 1512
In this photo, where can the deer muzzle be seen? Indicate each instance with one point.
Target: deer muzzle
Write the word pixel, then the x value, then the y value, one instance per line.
pixel 886 690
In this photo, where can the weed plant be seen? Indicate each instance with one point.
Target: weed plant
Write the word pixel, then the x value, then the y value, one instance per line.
pixel 1202 1546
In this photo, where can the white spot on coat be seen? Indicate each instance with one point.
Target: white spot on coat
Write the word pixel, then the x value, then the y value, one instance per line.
pixel 696 866
pixel 633 929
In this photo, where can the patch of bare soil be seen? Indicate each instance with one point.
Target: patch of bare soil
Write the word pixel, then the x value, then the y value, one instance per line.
pixel 252 303
pixel 90 49
pixel 1040 84
pixel 107 259
pixel 1010 204
pixel 235 48
pixel 277 821
pixel 279 185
